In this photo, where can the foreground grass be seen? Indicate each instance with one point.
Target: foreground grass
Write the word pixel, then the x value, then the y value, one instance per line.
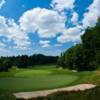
pixel 44 77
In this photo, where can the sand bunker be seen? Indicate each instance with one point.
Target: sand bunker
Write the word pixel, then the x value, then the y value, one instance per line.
pixel 27 95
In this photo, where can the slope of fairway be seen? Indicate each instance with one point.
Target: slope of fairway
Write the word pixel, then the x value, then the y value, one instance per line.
pixel 35 83
pixel 44 77
pixel 31 73
pixel 38 78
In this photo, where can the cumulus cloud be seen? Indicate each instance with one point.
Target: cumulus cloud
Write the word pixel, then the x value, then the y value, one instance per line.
pixel 12 31
pixel 73 34
pixel 3 26
pixel 93 13
pixel 70 35
pixel 20 38
pixel 46 22
pixel 45 43
pixel 2 2
pixel 60 5
pixel 74 18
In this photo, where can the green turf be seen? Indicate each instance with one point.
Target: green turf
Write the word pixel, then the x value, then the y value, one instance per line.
pixel 42 77
pixel 35 83
pixel 31 73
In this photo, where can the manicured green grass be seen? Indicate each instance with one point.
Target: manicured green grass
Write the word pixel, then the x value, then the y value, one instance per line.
pixel 31 73
pixel 35 83
pixel 43 77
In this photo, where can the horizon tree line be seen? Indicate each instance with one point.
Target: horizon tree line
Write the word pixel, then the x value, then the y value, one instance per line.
pixel 26 61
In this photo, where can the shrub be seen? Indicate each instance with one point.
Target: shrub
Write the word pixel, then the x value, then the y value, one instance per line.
pixel 7 96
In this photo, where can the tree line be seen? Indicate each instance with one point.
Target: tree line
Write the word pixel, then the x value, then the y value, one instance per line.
pixel 25 61
pixel 84 56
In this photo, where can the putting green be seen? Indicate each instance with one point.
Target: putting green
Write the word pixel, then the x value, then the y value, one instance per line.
pixel 31 73
pixel 39 78
pixel 35 83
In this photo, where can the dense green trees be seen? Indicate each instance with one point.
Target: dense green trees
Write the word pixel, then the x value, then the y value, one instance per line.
pixel 38 59
pixel 25 61
pixel 21 61
pixel 84 56
pixel 5 64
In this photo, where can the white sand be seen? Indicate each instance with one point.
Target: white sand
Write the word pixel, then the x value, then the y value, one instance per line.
pixel 27 95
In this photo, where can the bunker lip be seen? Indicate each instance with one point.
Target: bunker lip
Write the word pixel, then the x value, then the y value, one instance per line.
pixel 34 94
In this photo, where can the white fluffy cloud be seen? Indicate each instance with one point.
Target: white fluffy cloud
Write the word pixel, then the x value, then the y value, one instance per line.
pixel 12 31
pixel 70 35
pixel 90 17
pixel 74 18
pixel 45 43
pixel 60 5
pixel 20 38
pixel 3 26
pixel 46 22
pixel 2 2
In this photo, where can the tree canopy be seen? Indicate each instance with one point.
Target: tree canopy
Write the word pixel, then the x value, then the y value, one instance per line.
pixel 84 56
pixel 25 61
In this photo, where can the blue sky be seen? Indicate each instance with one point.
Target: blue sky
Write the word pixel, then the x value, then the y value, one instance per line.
pixel 44 26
